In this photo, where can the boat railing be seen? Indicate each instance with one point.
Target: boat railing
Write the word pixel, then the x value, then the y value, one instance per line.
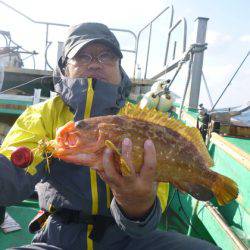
pixel 169 63
pixel 173 63
pixel 48 24
pixel 134 38
pixel 150 27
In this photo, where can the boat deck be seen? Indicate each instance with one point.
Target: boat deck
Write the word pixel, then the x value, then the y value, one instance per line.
pixel 22 214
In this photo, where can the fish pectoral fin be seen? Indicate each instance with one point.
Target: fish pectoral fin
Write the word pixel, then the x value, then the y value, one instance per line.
pixel 199 192
pixel 125 169
pixel 123 166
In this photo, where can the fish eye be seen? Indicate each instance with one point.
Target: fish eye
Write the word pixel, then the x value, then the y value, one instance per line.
pixel 81 124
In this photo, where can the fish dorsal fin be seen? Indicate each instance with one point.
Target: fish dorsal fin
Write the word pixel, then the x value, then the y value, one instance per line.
pixel 157 117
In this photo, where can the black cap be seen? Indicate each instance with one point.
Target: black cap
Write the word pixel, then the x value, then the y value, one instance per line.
pixel 87 33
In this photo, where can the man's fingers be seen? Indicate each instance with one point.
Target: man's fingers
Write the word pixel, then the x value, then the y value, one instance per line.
pixel 110 173
pixel 127 153
pixel 149 166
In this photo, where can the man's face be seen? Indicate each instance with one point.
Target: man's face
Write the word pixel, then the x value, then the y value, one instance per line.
pixel 97 61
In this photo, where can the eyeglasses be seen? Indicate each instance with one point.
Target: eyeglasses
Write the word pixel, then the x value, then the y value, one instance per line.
pixel 107 58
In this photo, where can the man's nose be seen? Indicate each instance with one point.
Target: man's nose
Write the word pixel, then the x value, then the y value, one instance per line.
pixel 94 64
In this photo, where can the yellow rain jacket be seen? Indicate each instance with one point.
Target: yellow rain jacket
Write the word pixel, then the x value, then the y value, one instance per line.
pixel 67 185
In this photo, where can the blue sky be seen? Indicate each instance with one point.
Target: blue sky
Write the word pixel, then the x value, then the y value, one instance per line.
pixel 228 34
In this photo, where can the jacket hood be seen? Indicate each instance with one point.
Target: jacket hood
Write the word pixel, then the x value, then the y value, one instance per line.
pixel 108 98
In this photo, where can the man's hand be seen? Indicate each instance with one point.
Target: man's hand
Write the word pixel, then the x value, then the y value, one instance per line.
pixel 135 193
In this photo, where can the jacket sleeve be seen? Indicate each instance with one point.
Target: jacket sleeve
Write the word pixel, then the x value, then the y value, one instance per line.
pixel 17 184
pixel 150 222
pixel 137 228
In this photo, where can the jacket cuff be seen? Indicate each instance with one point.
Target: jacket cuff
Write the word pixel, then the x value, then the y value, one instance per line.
pixel 140 227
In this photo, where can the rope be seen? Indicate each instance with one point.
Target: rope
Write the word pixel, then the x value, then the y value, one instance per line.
pixel 20 85
pixel 194 48
pixel 223 92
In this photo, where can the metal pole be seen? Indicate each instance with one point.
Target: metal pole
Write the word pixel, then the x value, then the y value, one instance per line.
pixel 192 99
pixel 190 66
pixel 174 50
pixel 150 23
pixel 46 42
pixel 136 54
pixel 30 19
pixel 184 24
pixel 149 41
pixel 169 35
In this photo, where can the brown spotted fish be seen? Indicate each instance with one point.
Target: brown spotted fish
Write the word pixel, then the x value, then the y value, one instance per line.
pixel 182 157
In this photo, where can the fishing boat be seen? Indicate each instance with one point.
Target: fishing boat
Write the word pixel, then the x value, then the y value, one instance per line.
pixel 227 136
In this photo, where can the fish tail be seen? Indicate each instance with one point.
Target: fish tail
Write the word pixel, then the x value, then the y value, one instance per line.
pixel 225 190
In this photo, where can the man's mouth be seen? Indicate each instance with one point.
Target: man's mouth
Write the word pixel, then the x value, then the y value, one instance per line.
pixel 97 76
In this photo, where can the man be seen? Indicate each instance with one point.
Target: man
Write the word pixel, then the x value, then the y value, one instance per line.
pixel 80 211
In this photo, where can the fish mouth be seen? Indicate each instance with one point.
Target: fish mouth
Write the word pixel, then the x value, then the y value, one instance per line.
pixel 66 151
pixel 80 158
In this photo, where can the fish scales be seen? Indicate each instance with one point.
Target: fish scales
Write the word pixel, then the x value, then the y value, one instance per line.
pixel 182 157
pixel 139 131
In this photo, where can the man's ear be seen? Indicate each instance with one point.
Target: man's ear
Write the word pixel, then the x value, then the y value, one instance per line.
pixel 63 66
pixel 65 70
pixel 121 69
